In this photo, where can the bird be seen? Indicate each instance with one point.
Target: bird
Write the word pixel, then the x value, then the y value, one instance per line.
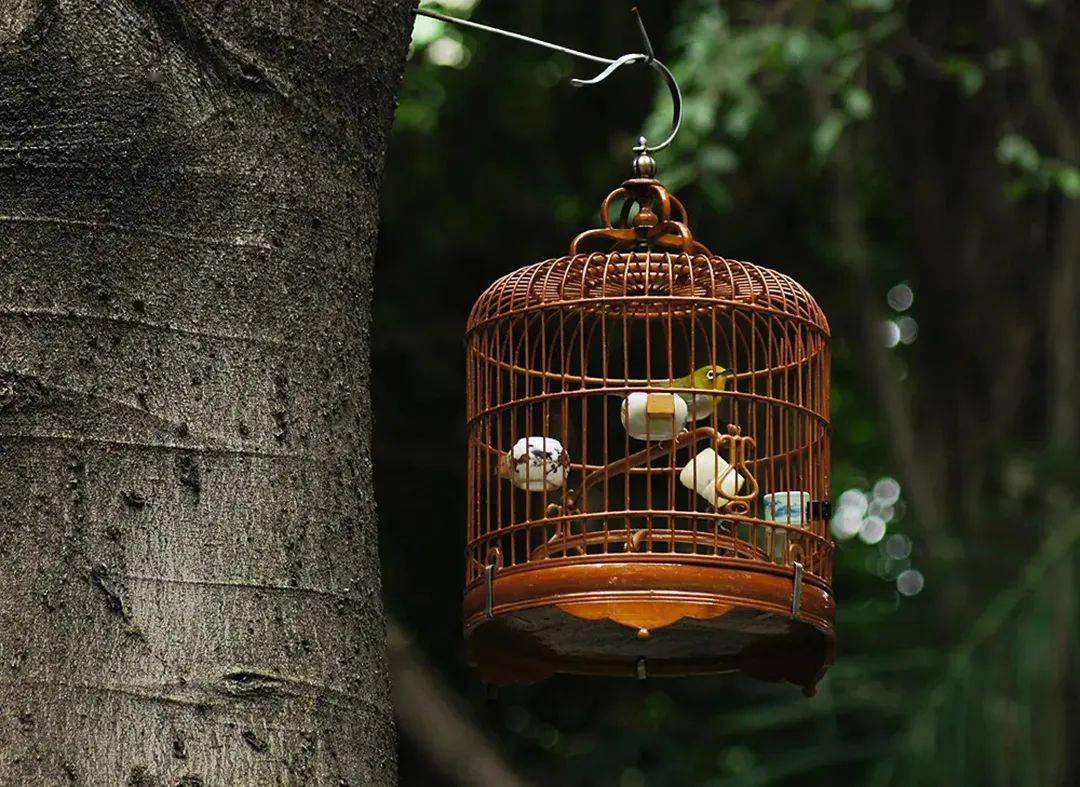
pixel 707 378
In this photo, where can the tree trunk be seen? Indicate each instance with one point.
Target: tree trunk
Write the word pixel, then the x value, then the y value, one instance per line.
pixel 189 590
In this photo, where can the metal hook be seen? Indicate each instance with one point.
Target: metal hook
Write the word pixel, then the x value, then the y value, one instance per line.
pixel 644 35
pixel 489 575
pixel 669 79
pixel 648 58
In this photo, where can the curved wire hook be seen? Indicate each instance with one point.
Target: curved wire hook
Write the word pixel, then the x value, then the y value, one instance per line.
pixel 648 58
pixel 669 79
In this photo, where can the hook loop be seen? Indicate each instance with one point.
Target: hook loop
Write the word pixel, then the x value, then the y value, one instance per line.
pixel 669 80
pixel 648 58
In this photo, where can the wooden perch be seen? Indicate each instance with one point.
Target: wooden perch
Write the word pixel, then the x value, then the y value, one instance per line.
pixel 638 459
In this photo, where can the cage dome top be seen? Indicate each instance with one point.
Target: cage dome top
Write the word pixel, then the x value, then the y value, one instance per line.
pixel 686 275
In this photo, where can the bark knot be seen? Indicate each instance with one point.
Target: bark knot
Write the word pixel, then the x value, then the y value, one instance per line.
pixel 20 393
pixel 187 468
pixel 252 739
pixel 245 683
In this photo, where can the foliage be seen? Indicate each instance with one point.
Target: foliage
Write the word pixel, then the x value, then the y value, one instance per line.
pixel 1036 171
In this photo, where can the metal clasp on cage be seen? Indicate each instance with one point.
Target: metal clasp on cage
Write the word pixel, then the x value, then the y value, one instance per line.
pixel 796 590
pixel 494 559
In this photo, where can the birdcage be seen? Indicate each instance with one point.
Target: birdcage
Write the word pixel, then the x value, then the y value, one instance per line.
pixel 648 451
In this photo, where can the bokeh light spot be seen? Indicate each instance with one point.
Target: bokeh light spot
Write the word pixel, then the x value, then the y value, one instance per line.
pixel 898 546
pixel 890 333
pixel 447 51
pixel 886 491
pixel 846 522
pixel 872 529
pixel 900 297
pixel 910 582
pixel 909 329
pixel 855 500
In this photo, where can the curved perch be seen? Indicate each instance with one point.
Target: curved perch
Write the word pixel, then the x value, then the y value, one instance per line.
pixel 739 503
pixel 642 457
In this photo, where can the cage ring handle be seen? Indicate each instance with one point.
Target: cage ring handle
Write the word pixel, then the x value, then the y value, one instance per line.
pixel 667 227
pixel 667 201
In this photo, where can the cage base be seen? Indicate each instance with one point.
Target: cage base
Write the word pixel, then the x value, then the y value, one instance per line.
pixel 650 619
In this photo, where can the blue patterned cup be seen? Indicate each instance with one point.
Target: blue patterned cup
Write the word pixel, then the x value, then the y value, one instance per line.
pixel 787 508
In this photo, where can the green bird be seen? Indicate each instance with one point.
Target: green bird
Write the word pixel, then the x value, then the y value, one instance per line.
pixel 708 378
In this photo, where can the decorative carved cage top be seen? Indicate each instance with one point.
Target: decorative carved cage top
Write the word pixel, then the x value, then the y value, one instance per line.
pixel 648 437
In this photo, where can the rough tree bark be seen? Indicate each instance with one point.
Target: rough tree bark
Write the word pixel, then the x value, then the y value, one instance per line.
pixel 189 591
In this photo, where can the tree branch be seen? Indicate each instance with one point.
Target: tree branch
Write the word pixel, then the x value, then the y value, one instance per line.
pixel 429 713
pixel 854 251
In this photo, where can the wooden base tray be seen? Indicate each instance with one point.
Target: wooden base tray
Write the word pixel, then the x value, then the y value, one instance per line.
pixel 646 619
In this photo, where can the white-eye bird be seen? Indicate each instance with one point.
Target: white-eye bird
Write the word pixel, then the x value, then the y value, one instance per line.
pixel 708 378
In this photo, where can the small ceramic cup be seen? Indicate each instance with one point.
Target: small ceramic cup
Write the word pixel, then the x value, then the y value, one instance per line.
pixel 535 464
pixel 707 470
pixel 653 416
pixel 787 508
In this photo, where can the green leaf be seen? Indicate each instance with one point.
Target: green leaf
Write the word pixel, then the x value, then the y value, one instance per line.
pixel 967 74
pixel 827 134
pixel 858 103
pixel 1018 150
pixel 796 47
pixel 718 159
pixel 1068 180
pixel 425 30
pixel 740 118
pixel 716 192
pixel 679 174
pixel 871 5
pixel 699 112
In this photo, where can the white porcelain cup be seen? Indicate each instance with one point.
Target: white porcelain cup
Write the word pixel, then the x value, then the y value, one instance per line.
pixel 704 471
pixel 643 425
pixel 536 463
pixel 787 508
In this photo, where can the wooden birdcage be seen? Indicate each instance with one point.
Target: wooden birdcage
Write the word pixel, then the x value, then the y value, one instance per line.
pixel 648 448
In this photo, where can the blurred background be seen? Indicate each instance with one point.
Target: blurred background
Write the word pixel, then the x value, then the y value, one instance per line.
pixel 915 165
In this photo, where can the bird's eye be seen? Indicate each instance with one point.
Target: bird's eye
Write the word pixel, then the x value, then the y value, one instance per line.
pixel 710 375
